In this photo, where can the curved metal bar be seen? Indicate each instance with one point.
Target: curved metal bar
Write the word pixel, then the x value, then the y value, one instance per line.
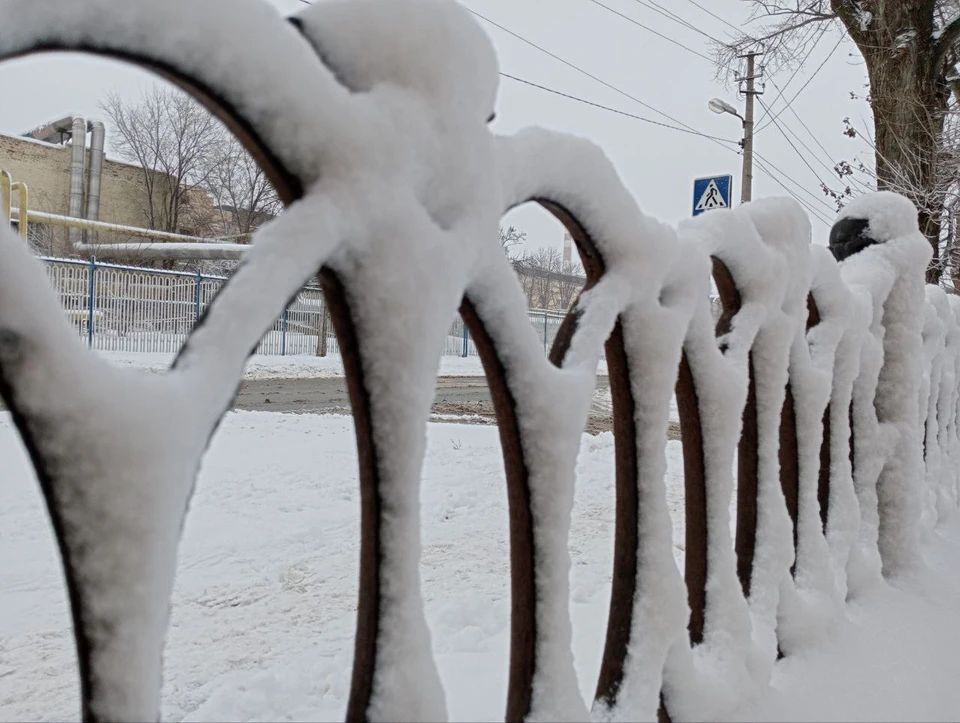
pixel 694 465
pixel 371 510
pixel 289 188
pixel 789 452
pixel 523 542
pixel 823 476
pixel 789 457
pixel 626 575
pixel 47 476
pixel 627 530
pixel 695 499
pixel 523 597
pixel 748 483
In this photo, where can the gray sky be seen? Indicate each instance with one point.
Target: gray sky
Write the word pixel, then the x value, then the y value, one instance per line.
pixel 657 164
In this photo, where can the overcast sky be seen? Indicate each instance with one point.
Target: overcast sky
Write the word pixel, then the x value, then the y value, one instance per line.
pixel 657 164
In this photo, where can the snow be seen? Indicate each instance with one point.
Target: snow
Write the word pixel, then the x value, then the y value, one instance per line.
pixel 293 367
pixel 888 659
pixel 254 47
pixel 397 130
pixel 262 624
pixel 902 256
pixel 839 334
pixel 404 185
pixel 938 407
pixel 938 33
pixel 164 250
pixel 905 38
pixel 112 443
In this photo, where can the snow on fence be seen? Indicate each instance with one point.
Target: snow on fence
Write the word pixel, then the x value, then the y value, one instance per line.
pixel 133 309
pixel 831 388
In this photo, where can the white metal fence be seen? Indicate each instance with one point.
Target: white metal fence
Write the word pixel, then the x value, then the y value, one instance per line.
pixel 131 309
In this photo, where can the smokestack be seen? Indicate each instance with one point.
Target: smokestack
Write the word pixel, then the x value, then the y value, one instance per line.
pixel 96 170
pixel 567 248
pixel 77 167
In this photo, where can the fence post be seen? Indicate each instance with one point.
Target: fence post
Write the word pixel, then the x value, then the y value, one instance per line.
pixel 466 340
pixel 91 300
pixel 322 331
pixel 196 297
pixel 6 188
pixel 545 333
pixel 283 337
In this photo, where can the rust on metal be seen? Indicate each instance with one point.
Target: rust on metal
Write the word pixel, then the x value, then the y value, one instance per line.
pixel 523 543
pixel 371 507
pixel 627 526
pixel 695 496
pixel 523 594
pixel 694 465
pixel 627 532
pixel 748 451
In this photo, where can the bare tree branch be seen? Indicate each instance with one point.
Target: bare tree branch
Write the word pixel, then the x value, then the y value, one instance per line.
pixel 946 41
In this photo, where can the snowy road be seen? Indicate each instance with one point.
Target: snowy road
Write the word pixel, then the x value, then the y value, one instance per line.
pixel 263 609
pixel 462 397
pixel 457 398
pixel 330 394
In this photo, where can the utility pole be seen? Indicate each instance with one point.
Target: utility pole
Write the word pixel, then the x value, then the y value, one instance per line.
pixel 746 183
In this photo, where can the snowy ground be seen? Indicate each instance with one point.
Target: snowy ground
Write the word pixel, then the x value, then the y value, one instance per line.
pixel 263 610
pixel 295 367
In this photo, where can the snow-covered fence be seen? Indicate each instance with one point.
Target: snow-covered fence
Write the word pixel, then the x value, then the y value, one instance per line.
pixel 397 187
pixel 135 309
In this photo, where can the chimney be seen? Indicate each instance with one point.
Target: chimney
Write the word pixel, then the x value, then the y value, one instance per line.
pixel 567 248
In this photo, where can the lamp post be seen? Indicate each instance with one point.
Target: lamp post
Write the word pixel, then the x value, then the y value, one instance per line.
pixel 721 106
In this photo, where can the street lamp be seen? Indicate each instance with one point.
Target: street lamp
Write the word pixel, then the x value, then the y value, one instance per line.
pixel 720 106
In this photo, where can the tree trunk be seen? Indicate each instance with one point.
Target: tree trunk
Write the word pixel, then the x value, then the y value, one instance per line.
pixel 909 101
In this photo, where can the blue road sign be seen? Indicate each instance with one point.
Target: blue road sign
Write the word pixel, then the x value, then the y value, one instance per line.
pixel 711 193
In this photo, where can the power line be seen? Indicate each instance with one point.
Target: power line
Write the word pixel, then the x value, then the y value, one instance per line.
pixel 804 86
pixel 797 69
pixel 681 126
pixel 828 164
pixel 658 8
pixel 800 186
pixel 784 128
pixel 612 110
pixel 766 167
pixel 651 30
pixel 814 213
pixel 593 77
pixel 714 15
pixel 807 206
pixel 794 147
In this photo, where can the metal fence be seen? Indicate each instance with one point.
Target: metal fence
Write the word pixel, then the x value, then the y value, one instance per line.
pixel 131 309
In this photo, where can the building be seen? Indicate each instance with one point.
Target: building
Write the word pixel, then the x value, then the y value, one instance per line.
pixel 66 182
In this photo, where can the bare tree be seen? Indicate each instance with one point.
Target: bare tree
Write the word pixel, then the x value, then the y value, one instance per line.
pixel 548 281
pixel 541 268
pixel 570 282
pixel 197 177
pixel 943 188
pixel 910 48
pixel 510 238
pixel 174 140
pixel 243 196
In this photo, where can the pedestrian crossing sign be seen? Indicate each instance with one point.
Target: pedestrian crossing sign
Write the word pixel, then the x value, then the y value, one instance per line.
pixel 711 193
